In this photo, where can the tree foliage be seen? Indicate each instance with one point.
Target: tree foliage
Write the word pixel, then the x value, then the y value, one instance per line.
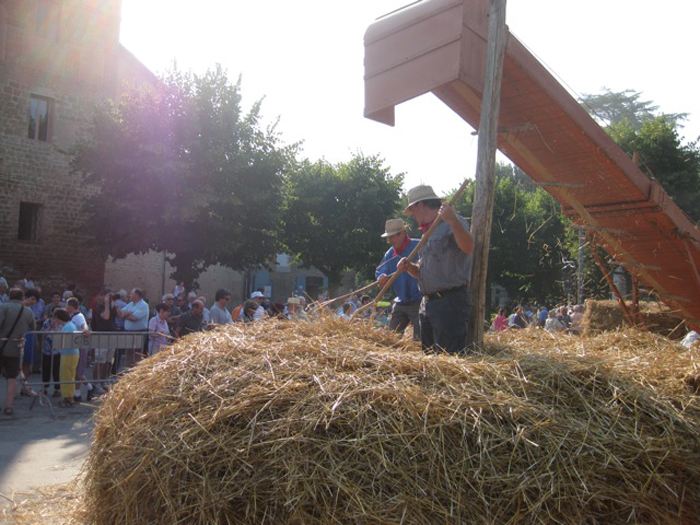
pixel 527 254
pixel 179 167
pixel 674 164
pixel 617 107
pixel 336 213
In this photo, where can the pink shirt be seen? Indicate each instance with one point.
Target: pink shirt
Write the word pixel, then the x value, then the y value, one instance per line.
pixel 500 323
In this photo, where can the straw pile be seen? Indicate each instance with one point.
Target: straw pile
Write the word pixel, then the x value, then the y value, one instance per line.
pixel 329 422
pixel 55 505
pixel 608 316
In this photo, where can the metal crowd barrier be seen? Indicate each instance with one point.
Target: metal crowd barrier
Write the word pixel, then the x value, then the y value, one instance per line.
pixel 121 340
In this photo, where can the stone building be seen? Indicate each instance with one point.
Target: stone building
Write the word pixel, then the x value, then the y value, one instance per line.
pixel 58 59
pixel 151 272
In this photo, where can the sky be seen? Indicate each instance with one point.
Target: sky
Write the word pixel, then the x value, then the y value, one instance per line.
pixel 305 59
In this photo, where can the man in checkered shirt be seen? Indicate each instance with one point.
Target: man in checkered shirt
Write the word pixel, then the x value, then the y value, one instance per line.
pixel 443 271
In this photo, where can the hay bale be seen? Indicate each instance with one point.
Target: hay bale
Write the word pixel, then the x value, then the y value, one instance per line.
pixel 605 316
pixel 330 422
pixel 602 316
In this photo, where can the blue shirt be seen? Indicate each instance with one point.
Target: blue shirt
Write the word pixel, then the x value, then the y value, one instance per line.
pixel 118 320
pixel 38 309
pixel 69 327
pixel 140 312
pixel 405 287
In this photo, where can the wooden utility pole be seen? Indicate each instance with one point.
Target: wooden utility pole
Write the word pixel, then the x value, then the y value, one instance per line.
pixel 482 215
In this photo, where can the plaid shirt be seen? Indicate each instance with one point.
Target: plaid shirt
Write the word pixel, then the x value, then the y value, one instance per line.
pixel 442 264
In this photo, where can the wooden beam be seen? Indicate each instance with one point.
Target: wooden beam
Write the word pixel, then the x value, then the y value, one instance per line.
pixel 636 311
pixel 616 292
pixel 482 213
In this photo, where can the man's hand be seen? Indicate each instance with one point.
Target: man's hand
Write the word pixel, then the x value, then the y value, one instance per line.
pixel 401 267
pixel 462 236
pixel 406 266
pixel 448 214
pixel 382 280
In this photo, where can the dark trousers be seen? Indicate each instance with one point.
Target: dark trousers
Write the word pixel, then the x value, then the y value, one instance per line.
pixel 402 315
pixel 118 353
pixel 51 367
pixel 444 322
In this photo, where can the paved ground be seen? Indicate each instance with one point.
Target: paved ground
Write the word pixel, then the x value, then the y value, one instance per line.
pixel 38 450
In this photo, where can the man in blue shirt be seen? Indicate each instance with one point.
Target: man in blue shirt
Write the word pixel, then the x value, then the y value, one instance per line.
pixel 135 315
pixel 405 288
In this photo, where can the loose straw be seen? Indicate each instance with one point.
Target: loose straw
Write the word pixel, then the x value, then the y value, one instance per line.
pixel 415 251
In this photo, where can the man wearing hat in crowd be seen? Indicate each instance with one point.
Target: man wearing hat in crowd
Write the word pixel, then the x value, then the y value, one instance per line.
pixel 405 287
pixel 258 297
pixel 294 309
pixel 443 271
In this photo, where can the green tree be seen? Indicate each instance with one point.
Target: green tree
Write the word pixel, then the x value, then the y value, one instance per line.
pixel 637 127
pixel 179 167
pixel 336 213
pixel 674 164
pixel 616 107
pixel 527 254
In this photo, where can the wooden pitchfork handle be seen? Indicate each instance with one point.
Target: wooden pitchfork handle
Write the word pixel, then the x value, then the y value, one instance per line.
pixel 331 301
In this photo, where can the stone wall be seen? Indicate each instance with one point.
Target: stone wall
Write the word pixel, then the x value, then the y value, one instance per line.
pixel 149 273
pixel 68 55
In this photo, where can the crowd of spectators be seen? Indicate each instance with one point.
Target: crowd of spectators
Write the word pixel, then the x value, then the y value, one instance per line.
pixel 27 345
pixel 176 315
pixel 561 318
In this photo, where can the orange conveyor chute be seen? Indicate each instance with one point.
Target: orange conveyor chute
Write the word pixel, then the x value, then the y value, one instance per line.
pixel 439 46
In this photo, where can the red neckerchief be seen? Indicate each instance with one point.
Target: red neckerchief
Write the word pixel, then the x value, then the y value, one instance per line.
pixel 426 225
pixel 403 246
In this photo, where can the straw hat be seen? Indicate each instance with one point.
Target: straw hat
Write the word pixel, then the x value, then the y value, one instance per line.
pixel 393 226
pixel 293 300
pixel 417 194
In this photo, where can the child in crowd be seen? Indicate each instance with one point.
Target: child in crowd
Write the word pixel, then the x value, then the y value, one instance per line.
pixel 345 312
pixel 78 319
pixel 577 320
pixel 159 330
pixel 69 359
pixel 500 322
pixel 382 318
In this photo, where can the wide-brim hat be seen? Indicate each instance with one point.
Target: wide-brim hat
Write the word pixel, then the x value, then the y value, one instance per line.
pixel 393 226
pixel 417 194
pixel 293 300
